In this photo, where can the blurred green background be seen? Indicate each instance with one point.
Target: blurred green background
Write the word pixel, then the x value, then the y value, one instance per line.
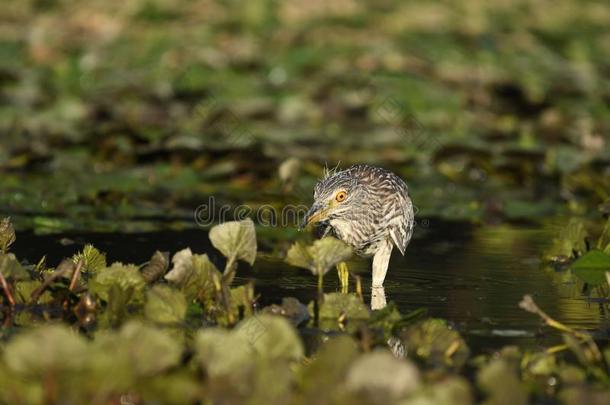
pixel 126 115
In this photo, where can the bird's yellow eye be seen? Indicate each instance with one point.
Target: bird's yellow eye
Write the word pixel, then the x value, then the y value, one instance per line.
pixel 341 196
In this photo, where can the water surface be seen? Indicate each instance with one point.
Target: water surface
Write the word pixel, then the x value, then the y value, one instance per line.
pixel 473 276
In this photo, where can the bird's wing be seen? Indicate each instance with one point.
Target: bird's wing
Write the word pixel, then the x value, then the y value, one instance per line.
pixel 398 238
pixel 401 228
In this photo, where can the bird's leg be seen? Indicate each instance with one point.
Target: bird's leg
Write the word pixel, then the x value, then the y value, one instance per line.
pixel 378 300
pixel 381 260
pixel 343 273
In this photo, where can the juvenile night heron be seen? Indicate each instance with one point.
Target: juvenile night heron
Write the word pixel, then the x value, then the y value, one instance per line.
pixel 368 208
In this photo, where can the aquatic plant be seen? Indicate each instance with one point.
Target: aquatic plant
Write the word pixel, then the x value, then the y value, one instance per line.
pixel 319 257
pixel 89 332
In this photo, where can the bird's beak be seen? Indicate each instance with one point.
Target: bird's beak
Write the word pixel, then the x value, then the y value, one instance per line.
pixel 316 213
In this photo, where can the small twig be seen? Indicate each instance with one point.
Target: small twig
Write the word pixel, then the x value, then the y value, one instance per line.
pixel 64 268
pixel 230 270
pixel 224 296
pixel 7 290
pixel 528 304
pixel 557 348
pixel 73 281
pixel 76 275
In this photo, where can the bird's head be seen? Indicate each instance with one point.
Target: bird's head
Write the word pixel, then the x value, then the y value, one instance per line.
pixel 335 196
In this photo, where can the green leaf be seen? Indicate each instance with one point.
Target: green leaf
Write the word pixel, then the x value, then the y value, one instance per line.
pixel 256 357
pixel 182 387
pixel 223 353
pixel 165 305
pixel 381 376
pixel 571 239
pixel 93 260
pixel 125 276
pixel 116 308
pixel 335 305
pixel 319 257
pixel 7 234
pixel 501 383
pixel 11 268
pixel 328 368
pixel 242 297
pixel 451 390
pixel 137 349
pixel 24 289
pixel 272 337
pixel 235 240
pixel 435 344
pixel 195 275
pixel 591 267
pixel 50 348
pixel 204 278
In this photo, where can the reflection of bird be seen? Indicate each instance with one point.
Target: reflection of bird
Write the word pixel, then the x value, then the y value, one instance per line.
pixel 368 208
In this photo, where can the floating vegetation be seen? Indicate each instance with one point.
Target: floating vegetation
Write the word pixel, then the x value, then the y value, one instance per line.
pixel 320 257
pixel 92 332
pixel 587 260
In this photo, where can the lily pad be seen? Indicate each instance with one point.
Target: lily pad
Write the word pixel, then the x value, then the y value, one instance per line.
pixel 235 240
pixel 328 367
pixel 382 377
pixel 139 349
pixel 500 381
pixel 255 357
pixel 432 342
pixel 164 304
pixel 195 275
pixel 449 391
pixel 125 276
pixel 337 305
pixel 223 353
pixel 319 257
pixel 571 239
pixel 11 268
pixel 592 267
pixel 50 348
pixel 24 290
pixel 272 337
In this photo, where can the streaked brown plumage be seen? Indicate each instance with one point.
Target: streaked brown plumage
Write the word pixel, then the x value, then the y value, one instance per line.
pixel 367 207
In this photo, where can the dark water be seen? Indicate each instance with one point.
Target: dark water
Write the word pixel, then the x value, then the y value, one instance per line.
pixel 473 276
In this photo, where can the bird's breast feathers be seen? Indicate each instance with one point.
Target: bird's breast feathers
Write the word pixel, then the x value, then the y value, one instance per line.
pixel 365 242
